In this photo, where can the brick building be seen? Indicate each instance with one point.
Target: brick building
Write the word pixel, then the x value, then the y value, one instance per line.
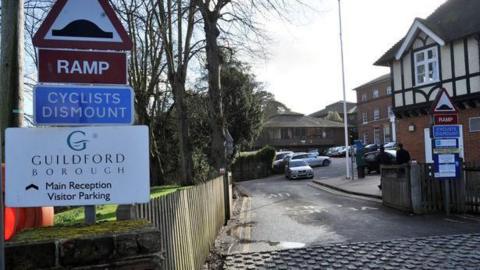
pixel 298 132
pixel 441 51
pixel 374 108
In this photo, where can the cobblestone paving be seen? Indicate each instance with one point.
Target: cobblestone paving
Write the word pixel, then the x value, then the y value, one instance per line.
pixel 439 252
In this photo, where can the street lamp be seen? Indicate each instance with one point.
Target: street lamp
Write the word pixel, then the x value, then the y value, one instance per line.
pixel 345 118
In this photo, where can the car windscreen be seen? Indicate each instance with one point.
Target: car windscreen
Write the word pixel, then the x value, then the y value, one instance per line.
pixel 297 163
pixel 279 156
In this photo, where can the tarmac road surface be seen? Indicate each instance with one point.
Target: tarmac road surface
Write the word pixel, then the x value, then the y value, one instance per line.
pixel 292 214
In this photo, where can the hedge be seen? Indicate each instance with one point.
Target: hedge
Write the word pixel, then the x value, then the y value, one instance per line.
pixel 253 165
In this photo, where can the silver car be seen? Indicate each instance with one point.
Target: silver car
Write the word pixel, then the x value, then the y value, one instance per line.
pixel 297 169
pixel 312 159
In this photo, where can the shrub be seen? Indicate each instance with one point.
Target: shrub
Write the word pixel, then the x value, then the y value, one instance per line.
pixel 253 165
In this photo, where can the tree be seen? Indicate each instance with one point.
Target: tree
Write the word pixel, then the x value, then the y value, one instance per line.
pixel 240 17
pixel 242 107
pixel 11 65
pixel 146 76
pixel 270 106
pixel 175 19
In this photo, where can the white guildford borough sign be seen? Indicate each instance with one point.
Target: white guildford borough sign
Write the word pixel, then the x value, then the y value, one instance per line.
pixel 77 166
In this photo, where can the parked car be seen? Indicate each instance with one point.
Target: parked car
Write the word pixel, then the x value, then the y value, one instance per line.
pixel 331 151
pixel 371 160
pixel 335 151
pixel 311 159
pixel 297 169
pixel 279 162
pixel 390 145
pixel 371 148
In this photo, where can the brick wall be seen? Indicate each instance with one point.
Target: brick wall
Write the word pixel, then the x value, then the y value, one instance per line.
pixel 381 103
pixel 414 141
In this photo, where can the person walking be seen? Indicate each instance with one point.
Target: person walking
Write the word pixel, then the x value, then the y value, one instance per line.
pixel 402 155
pixel 382 159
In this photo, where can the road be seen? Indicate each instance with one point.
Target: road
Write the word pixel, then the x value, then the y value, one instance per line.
pixel 288 214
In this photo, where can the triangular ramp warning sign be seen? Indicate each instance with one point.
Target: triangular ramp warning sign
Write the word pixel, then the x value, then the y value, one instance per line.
pixel 443 103
pixel 82 24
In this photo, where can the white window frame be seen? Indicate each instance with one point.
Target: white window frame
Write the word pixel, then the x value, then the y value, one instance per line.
pixel 389 90
pixel 364 117
pixel 470 124
pixel 375 93
pixel 376 136
pixel 376 114
pixel 425 63
pixel 364 97
pixel 389 111
pixel 387 136
pixel 365 138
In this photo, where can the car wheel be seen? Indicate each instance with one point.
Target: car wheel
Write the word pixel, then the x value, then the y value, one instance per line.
pixel 326 162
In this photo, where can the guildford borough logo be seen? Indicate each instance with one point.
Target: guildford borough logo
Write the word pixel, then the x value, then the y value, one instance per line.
pixel 76 141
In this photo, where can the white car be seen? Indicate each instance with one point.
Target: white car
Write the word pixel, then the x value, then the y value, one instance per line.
pixel 279 162
pixel 297 169
pixel 312 159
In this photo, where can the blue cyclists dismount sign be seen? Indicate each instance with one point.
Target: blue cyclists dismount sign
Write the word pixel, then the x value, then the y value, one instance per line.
pixel 83 105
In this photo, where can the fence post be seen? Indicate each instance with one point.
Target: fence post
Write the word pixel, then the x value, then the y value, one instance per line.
pixel 126 212
pixel 462 189
pixel 416 189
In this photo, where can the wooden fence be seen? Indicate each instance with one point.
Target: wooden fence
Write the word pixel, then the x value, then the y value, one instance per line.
pixel 472 188
pixel 189 221
pixel 414 188
pixel 433 192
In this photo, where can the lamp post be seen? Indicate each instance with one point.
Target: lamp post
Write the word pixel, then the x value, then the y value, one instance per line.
pixel 345 118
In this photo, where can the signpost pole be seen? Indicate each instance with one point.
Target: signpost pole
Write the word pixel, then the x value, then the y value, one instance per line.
pixel 446 199
pixel 90 215
pixel 2 225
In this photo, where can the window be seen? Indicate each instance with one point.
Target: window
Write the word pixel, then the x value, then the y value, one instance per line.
pixel 426 66
pixel 376 114
pixel 386 134
pixel 365 117
pixel 389 90
pixel 365 138
pixel 474 123
pixel 375 93
pixel 376 136
pixel 364 97
pixel 389 111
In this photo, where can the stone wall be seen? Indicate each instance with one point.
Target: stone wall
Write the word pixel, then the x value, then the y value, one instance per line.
pixel 139 249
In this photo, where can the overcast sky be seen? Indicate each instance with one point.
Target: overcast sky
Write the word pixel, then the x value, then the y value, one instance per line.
pixel 304 71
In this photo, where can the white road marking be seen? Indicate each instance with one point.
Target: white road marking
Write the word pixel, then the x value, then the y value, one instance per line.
pixel 364 208
pixel 454 221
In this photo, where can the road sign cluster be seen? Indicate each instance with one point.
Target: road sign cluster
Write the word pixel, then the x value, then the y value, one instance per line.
pixel 446 138
pixel 82 49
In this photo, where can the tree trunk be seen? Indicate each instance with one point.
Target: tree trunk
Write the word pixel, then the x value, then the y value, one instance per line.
pixel 214 61
pixel 184 144
pixel 11 65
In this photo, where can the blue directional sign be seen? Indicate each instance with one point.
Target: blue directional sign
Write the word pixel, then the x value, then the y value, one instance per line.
pixel 447 131
pixel 446 151
pixel 83 105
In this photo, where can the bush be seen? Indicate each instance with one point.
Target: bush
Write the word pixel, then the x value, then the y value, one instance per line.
pixel 253 165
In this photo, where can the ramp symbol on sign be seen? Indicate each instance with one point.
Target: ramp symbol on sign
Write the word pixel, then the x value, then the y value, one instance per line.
pixel 82 24
pixel 82 28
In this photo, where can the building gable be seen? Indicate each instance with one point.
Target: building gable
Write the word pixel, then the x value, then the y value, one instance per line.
pixel 418 34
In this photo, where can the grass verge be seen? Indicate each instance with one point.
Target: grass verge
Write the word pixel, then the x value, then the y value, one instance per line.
pixel 107 212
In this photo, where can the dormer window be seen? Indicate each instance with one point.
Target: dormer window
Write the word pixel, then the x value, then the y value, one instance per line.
pixel 426 66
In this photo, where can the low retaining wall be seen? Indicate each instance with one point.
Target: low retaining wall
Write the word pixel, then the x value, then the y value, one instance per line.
pixel 124 251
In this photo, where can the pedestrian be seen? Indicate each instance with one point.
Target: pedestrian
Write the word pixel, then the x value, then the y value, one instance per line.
pixel 382 159
pixel 402 155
